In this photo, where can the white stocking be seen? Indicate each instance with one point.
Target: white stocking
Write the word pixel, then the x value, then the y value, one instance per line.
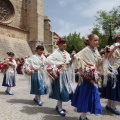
pixel 39 98
pixel 109 103
pixel 9 89
pixel 59 105
pixel 36 97
pixel 113 104
pixel 83 115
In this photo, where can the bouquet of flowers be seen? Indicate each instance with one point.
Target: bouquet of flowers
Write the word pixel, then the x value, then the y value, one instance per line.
pixel 53 71
pixel 28 70
pixel 3 66
pixel 88 74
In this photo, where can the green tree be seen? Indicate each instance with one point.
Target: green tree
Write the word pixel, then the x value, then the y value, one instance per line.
pixel 108 22
pixel 74 42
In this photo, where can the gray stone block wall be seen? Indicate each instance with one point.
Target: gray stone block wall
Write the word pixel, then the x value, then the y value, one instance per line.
pixel 27 25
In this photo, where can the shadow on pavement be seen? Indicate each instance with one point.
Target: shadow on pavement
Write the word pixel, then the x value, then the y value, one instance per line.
pixel 106 112
pixel 51 113
pixel 3 93
pixel 52 117
pixel 38 109
pixel 23 101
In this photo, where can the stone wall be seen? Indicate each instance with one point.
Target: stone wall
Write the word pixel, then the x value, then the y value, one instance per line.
pixel 19 46
pixel 40 20
pixel 15 40
pixel 34 22
pixel 29 16
pixel 26 30
pixel 48 36
pixel 56 37
pixel 13 32
pixel 14 36
pixel 17 22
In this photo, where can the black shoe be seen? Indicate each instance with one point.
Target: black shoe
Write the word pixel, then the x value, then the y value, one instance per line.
pixel 62 109
pixel 35 100
pixel 83 119
pixel 108 108
pixel 40 103
pixel 87 118
pixel 10 93
pixel 61 113
pixel 115 111
pixel 80 118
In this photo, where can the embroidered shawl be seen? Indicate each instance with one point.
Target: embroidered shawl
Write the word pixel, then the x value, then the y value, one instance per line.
pixel 59 57
pixel 90 58
pixel 36 61
pixel 115 59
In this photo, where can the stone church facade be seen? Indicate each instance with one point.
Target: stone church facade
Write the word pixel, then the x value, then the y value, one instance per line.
pixel 22 27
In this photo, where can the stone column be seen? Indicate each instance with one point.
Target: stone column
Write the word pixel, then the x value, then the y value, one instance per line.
pixel 34 22
pixel 48 35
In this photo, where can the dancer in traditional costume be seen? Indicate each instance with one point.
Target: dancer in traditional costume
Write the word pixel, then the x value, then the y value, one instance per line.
pixel 86 97
pixel 9 79
pixel 62 75
pixel 35 65
pixel 111 83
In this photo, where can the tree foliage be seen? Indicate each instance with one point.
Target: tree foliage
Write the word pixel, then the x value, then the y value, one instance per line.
pixel 107 25
pixel 105 19
pixel 74 42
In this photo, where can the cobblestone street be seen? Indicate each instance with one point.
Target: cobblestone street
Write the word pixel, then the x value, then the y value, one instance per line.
pixel 20 106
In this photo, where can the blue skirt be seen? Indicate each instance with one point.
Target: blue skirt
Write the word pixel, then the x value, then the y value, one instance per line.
pixel 86 99
pixel 63 95
pixel 37 86
pixel 112 93
pixel 11 82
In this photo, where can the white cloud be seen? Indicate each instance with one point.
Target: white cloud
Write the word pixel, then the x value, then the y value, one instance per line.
pixel 64 3
pixel 65 25
pixel 84 30
pixel 66 28
pixel 89 9
pixel 85 9
pixel 80 15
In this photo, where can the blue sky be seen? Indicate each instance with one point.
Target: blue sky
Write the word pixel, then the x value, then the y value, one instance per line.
pixel 68 16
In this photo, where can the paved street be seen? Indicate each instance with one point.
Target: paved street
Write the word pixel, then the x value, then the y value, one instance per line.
pixel 20 106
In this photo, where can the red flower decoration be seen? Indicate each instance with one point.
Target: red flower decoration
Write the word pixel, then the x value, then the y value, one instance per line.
pixel 93 69
pixel 3 66
pixel 41 59
pixel 31 68
pixel 64 56
pixel 48 66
